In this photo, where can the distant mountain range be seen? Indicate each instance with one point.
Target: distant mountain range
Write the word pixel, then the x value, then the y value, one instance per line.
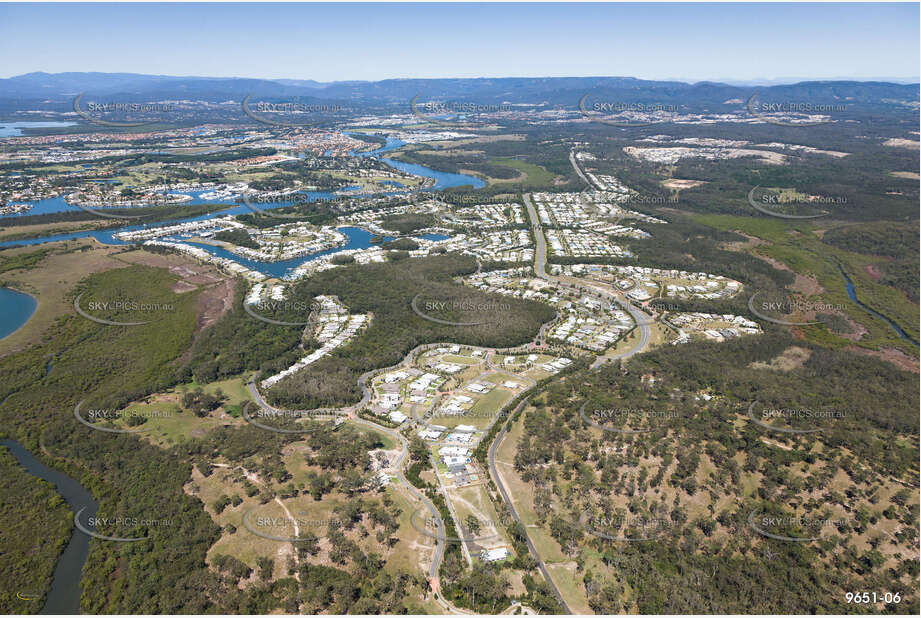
pixel 57 87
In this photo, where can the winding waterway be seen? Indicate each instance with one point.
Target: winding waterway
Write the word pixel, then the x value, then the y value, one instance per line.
pixel 853 296
pixel 443 180
pixel 64 596
pixel 16 308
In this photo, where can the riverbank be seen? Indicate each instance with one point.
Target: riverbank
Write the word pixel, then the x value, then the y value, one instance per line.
pixel 63 594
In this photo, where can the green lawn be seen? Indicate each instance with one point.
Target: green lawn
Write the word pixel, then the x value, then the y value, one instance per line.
pixel 536 175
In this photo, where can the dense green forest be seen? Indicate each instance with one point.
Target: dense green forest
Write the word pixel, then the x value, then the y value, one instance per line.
pixel 237 236
pixel 36 524
pixel 698 468
pixel 408 222
pixel 109 366
pixel 386 291
pixel 896 243
pixel 238 342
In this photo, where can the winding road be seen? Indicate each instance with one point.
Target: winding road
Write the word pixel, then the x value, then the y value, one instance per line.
pixel 642 321
pixel 494 473
pixel 540 258
pixel 418 495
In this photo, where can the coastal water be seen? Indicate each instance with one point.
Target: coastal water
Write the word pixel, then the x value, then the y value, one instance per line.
pixel 356 237
pixel 15 310
pixel 14 129
pixel 64 596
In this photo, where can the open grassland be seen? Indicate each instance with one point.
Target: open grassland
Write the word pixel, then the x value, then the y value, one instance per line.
pixel 49 281
pixel 473 502
pixel 796 247
pixel 534 174
pixel 276 509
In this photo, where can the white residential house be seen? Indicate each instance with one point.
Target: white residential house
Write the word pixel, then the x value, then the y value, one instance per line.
pixel 494 555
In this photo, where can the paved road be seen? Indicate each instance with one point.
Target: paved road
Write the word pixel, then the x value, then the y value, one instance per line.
pixel 578 168
pixel 642 320
pixel 398 466
pixel 540 252
pixel 494 473
pixel 352 412
pixel 540 259
pixel 262 403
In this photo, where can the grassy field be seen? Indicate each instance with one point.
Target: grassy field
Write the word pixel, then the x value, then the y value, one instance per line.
pixel 797 247
pixel 547 547
pixel 389 443
pixel 566 580
pixel 534 174
pixel 479 415
pixel 178 425
pixel 50 282
pixel 410 552
pixel 414 551
pixel 484 408
pixel 234 389
pixel 474 501
pixel 462 360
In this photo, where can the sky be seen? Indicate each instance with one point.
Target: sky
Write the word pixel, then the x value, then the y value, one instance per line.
pixel 333 42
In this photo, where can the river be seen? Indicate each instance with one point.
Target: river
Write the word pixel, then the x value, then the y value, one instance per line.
pixel 64 596
pixel 853 296
pixel 16 311
pixel 443 180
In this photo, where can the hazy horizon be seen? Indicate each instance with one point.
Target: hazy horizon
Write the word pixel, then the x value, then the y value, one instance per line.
pixel 777 81
pixel 730 43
